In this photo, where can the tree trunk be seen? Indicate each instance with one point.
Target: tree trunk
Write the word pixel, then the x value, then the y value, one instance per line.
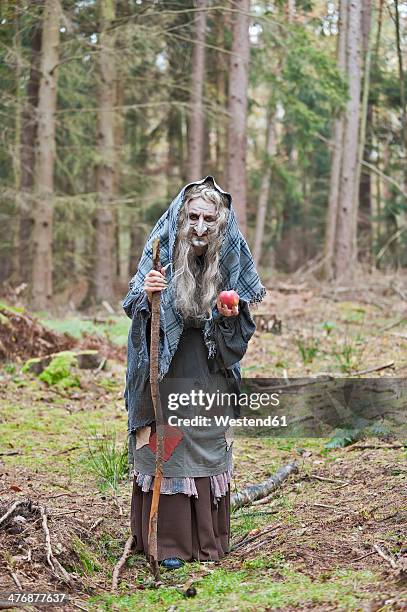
pixel 196 118
pixel 345 247
pixel 27 159
pixel 222 24
pixel 402 87
pixel 119 141
pixel 363 193
pixel 341 232
pixel 45 158
pixel 336 162
pixel 105 268
pixel 264 189
pixel 238 85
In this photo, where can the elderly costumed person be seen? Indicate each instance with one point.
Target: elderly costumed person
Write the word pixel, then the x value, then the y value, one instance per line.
pixel 202 340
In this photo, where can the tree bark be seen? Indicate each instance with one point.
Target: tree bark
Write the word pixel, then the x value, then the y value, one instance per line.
pixel 402 87
pixel 238 86
pixel 45 158
pixel 363 208
pixel 264 189
pixel 105 172
pixel 222 24
pixel 336 162
pixel 27 159
pixel 341 232
pixel 345 248
pixel 196 118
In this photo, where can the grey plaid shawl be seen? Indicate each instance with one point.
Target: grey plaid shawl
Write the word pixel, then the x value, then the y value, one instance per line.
pixel 236 264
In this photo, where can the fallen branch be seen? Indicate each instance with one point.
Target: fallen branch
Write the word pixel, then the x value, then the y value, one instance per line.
pixel 121 562
pixel 52 561
pixel 390 364
pixel 15 579
pixel 362 447
pixel 254 492
pixel 10 511
pixel 372 552
pixel 96 523
pixel 242 543
pixel 323 479
pixel 385 556
pixel 391 325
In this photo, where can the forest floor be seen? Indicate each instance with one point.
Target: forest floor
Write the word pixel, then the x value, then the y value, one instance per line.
pixel 314 544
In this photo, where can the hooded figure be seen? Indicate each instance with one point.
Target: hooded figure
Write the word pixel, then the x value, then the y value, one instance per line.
pixel 200 348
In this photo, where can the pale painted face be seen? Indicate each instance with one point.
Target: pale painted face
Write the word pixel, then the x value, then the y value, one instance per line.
pixel 202 218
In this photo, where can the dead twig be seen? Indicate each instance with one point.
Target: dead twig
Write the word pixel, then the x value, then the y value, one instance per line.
pixel 15 579
pixel 96 523
pixel 390 364
pixel 391 325
pixel 329 506
pixel 245 541
pixel 121 562
pixel 362 447
pixel 372 552
pixel 66 450
pixel 52 561
pixel 385 556
pixel 10 511
pixel 323 479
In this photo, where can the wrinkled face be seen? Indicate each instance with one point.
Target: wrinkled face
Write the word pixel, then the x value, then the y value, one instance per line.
pixel 202 220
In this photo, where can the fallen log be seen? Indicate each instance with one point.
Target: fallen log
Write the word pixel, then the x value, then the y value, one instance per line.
pixel 258 491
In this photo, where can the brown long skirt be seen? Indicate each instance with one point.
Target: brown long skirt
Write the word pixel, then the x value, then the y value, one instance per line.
pixel 188 528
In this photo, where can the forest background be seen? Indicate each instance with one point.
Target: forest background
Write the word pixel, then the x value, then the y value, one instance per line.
pixel 108 107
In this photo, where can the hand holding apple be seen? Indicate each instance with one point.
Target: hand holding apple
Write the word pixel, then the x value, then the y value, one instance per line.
pixel 228 303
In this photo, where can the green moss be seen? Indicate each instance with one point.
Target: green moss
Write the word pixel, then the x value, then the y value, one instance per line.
pixel 59 373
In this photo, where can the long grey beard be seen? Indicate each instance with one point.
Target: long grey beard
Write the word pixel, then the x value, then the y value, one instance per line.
pixel 197 287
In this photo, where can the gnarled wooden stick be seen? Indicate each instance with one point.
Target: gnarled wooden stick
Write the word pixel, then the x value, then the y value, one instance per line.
pixel 159 419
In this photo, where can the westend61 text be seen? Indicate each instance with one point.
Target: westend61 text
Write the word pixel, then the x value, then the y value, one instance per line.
pixel 224 421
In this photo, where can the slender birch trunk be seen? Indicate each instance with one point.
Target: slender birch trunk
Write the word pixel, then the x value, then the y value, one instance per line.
pixel 105 268
pixel 237 136
pixel 196 118
pixel 45 159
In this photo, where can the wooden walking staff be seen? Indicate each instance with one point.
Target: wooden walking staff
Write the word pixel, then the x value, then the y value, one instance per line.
pixel 159 419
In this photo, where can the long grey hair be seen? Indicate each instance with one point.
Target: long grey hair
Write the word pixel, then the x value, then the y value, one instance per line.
pixel 196 288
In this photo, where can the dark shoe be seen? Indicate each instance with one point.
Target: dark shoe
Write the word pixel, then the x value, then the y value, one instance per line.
pixel 172 563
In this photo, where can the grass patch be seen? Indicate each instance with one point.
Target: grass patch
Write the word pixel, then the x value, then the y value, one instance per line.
pixel 108 462
pixel 252 588
pixel 89 563
pixel 115 328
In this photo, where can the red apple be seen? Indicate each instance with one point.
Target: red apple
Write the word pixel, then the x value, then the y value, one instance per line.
pixel 229 298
